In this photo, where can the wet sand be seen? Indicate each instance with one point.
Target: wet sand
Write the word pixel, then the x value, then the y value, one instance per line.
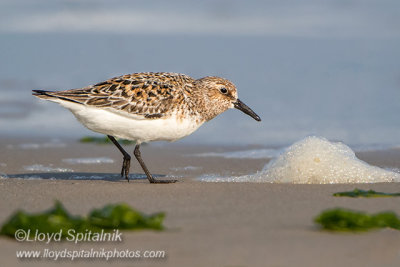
pixel 208 224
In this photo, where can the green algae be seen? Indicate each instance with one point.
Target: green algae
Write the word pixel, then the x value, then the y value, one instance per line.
pixel 58 220
pixel 122 216
pixel 344 220
pixel 365 193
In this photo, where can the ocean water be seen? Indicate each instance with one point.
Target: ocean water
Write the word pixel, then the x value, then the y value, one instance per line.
pixel 99 160
pixel 312 160
pixel 307 68
pixel 243 154
pixel 42 168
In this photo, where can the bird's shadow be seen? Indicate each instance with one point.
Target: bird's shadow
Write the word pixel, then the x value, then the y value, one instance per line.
pixel 111 177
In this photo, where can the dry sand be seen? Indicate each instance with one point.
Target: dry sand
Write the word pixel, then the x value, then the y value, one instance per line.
pixel 208 224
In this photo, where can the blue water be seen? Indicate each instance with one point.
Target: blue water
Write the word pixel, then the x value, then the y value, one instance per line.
pixel 328 69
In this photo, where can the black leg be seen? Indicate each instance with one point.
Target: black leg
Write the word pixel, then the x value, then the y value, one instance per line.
pixel 127 158
pixel 138 156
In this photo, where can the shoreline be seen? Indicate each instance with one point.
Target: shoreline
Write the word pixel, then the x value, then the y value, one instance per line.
pixel 37 156
pixel 207 223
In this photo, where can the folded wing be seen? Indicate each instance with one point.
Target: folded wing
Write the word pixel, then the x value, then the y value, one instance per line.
pixel 147 95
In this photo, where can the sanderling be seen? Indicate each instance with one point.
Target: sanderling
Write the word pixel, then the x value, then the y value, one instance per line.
pixel 148 107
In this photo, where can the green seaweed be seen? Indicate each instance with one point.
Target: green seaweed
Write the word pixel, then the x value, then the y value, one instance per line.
pixel 124 217
pixel 104 140
pixel 57 219
pixel 365 193
pixel 343 220
pixel 51 221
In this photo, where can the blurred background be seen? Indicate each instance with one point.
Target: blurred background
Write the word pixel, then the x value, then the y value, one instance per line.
pixel 329 68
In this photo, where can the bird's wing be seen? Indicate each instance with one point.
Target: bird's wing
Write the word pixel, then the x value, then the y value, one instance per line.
pixel 147 95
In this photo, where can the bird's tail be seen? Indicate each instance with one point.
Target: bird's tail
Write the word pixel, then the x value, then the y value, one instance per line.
pixel 43 94
pixel 58 96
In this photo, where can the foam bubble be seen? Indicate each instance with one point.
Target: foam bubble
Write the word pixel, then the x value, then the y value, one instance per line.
pixel 99 160
pixel 42 168
pixel 315 160
pixel 186 168
pixel 52 144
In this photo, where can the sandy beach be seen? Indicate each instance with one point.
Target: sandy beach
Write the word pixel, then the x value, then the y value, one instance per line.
pixel 322 76
pixel 207 224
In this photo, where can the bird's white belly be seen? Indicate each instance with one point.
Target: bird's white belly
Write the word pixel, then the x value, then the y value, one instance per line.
pixel 127 127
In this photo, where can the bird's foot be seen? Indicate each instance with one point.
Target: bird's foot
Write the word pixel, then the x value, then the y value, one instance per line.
pixel 125 167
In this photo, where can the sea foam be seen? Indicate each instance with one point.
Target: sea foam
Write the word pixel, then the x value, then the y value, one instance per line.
pixel 315 160
pixel 42 168
pixel 99 160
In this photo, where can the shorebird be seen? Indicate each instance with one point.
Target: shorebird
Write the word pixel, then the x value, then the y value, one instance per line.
pixel 148 107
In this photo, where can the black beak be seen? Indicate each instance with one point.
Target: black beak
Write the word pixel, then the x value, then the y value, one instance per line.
pixel 242 106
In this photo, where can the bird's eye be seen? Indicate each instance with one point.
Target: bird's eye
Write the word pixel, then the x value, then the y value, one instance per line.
pixel 223 90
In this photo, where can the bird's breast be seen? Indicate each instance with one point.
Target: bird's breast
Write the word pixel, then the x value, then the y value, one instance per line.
pixel 169 128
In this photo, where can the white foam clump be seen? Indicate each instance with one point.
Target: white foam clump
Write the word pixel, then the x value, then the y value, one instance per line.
pixel 315 160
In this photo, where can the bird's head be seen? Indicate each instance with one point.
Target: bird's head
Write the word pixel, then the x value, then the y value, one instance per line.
pixel 220 95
